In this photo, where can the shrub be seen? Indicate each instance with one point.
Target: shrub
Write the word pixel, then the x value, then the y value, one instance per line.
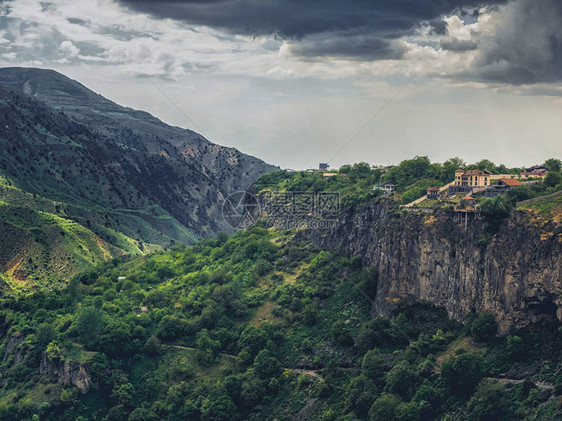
pixel 207 348
pixel 385 408
pixel 401 379
pixel 462 373
pixel 483 328
pixel 489 403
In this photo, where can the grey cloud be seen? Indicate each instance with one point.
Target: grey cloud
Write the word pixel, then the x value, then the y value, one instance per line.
pixel 347 46
pixel 359 29
pixel 459 45
pixel 525 46
pixel 437 27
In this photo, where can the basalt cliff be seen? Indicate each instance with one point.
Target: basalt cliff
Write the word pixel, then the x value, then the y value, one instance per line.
pixel 513 271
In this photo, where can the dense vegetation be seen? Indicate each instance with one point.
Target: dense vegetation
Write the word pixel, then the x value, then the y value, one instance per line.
pixel 259 325
pixel 262 325
pixel 412 177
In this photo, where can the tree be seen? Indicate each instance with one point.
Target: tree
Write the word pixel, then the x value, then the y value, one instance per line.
pixel 341 333
pixel 490 403
pixel 553 164
pixel 484 328
pixel 310 314
pixel 116 338
pixel 171 326
pixel 74 289
pixel 89 324
pixel 45 334
pixel 262 267
pixel 449 168
pixel 117 413
pixel 521 193
pixel 428 399
pixel 399 329
pixel 252 339
pixel 266 365
pixel 53 351
pixel 486 165
pixel 373 364
pixel 153 347
pixel 142 414
pixel 218 408
pixel 123 394
pixel 207 348
pixel 385 408
pixel 553 179
pixel 222 237
pixel 496 208
pixel 462 373
pixel 359 170
pixel 360 395
pixel 401 379
pixel 515 347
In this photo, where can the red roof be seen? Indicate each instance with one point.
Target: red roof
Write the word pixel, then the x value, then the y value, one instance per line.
pixel 433 189
pixel 468 198
pixel 511 182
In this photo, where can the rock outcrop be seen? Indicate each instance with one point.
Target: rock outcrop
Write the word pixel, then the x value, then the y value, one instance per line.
pixel 68 373
pixel 514 273
pixel 15 349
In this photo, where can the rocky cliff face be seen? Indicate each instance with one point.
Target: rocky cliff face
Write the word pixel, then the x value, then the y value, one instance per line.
pixel 515 274
pixel 68 373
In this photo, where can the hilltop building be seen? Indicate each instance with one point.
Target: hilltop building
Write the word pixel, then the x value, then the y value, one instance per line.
pixel 475 180
pixel 536 171
pixel 433 193
pixel 387 187
pixel 472 178
pixel 383 168
pixel 502 186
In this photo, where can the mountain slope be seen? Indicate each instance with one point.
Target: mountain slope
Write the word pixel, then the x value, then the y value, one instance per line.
pixel 230 169
pixel 261 326
pixel 124 176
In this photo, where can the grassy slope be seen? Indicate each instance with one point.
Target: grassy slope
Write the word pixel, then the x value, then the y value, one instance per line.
pixel 46 249
pixel 41 255
pixel 53 171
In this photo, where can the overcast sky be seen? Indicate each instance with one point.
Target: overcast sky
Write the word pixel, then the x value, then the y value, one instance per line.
pixel 293 81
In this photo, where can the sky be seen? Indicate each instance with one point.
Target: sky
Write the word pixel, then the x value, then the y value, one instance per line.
pixel 298 82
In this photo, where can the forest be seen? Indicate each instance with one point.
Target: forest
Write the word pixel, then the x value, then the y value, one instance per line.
pixel 260 325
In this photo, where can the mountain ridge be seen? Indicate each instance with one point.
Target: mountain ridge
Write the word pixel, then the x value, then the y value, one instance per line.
pixel 133 181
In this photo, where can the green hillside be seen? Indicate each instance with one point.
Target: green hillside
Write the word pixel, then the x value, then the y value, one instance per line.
pixel 48 242
pixel 60 211
pixel 261 326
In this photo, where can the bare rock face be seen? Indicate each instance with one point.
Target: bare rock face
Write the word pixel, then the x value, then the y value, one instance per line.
pixel 68 373
pixel 514 274
pixel 15 349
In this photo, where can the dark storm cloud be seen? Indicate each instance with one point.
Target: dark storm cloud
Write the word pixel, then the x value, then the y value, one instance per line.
pixel 526 46
pixel 350 46
pixel 437 27
pixel 361 29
